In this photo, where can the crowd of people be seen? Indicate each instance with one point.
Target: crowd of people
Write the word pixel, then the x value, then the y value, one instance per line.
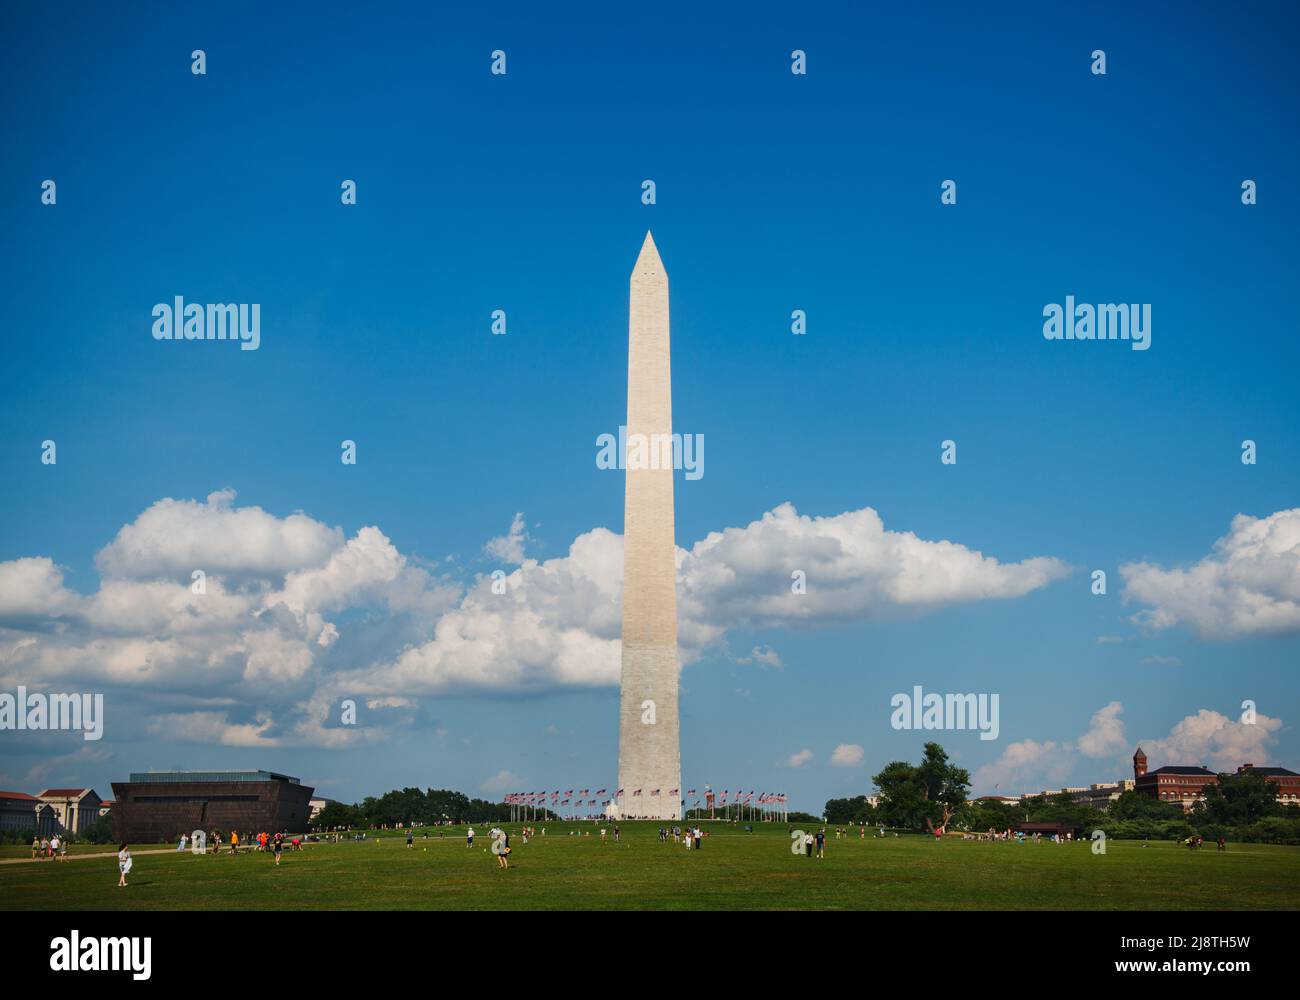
pixel 53 848
pixel 261 841
pixel 691 836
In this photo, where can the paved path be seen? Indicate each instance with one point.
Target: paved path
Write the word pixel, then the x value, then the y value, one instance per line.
pixel 79 857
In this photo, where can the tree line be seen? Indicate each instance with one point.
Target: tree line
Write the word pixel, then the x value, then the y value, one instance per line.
pixel 411 806
pixel 1241 807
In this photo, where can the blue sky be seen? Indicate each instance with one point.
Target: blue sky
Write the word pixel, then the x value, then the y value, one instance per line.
pixel 774 192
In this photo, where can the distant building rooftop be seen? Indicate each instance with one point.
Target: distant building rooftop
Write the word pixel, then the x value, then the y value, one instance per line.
pixel 158 777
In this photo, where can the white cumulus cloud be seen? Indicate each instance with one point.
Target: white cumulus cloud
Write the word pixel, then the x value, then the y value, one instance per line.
pixel 509 548
pixel 1214 740
pixel 294 616
pixel 1248 585
pixel 1105 735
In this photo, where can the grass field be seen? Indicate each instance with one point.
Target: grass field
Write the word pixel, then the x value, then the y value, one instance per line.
pixel 733 870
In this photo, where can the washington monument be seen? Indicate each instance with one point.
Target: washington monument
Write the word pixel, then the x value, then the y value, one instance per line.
pixel 649 751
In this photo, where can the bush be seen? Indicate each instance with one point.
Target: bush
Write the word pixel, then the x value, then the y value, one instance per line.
pixel 1143 829
pixel 1270 830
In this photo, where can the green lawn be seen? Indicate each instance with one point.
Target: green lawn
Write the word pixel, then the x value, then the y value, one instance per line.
pixel 733 870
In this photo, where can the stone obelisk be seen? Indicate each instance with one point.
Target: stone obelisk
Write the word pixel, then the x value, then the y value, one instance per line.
pixel 649 751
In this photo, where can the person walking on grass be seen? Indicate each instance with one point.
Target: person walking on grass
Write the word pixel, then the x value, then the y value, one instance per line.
pixel 36 847
pixel 278 846
pixel 123 865
pixel 469 837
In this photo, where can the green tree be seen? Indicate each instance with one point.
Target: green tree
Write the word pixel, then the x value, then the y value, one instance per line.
pixel 1133 806
pixel 981 816
pixel 337 814
pixel 944 785
pixel 854 810
pixel 1238 799
pixel 902 802
pixel 925 795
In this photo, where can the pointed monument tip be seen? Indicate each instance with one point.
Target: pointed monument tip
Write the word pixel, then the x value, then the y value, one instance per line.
pixel 648 259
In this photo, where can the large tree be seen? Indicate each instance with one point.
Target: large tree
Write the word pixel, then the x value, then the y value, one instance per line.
pixel 925 795
pixel 1239 799
pixel 944 785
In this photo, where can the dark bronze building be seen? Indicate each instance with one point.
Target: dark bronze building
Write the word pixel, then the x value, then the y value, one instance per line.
pixel 158 806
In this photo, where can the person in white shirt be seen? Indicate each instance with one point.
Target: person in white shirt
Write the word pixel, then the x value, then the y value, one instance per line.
pixel 123 864
pixel 54 847
pixel 469 838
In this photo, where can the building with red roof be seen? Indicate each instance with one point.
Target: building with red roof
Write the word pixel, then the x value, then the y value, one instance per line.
pixel 75 809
